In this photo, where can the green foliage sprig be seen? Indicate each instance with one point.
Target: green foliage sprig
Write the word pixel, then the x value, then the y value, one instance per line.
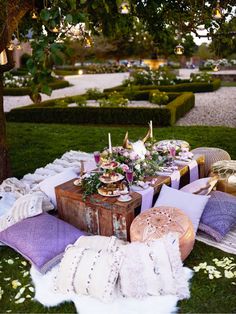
pixel 90 184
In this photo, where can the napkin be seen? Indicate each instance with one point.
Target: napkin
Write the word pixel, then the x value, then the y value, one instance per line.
pixel 174 176
pixel 147 196
pixel 193 171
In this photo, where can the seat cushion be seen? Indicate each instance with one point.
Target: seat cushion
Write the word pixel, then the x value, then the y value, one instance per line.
pixel 41 239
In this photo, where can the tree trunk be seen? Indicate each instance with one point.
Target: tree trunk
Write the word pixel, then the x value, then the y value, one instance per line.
pixel 11 13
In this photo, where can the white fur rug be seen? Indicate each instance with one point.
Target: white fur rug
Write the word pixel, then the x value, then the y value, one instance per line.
pixel 46 295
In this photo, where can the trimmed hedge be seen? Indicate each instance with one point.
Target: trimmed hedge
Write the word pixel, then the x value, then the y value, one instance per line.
pixel 46 113
pixel 21 91
pixel 194 87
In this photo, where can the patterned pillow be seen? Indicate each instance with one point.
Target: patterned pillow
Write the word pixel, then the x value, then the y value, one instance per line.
pixel 219 215
pixel 41 239
pixel 89 272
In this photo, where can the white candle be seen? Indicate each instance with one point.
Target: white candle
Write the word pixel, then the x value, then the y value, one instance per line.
pixel 151 130
pixel 109 143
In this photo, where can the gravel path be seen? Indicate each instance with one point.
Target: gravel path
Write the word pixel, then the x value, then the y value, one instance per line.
pixel 216 108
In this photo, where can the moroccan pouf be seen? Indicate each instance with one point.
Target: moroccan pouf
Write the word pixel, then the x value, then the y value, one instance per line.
pixel 212 155
pixel 226 172
pixel 158 221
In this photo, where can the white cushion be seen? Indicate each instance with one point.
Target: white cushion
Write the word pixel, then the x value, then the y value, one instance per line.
pixel 89 272
pixel 201 187
pixel 48 185
pixel 193 205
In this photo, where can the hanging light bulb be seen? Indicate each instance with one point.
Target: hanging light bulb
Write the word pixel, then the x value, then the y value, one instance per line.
pixel 179 49
pixel 55 29
pixel 124 7
pixel 18 47
pixel 3 57
pixel 217 12
pixel 34 15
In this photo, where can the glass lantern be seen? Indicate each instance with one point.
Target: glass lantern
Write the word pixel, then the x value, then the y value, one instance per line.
pixel 179 49
pixel 217 12
pixel 3 57
pixel 124 8
pixel 34 15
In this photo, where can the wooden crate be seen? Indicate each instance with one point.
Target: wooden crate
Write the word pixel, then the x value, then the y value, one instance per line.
pixel 106 215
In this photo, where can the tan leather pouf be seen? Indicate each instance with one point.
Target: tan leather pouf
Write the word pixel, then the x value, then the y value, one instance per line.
pixel 212 155
pixel 158 221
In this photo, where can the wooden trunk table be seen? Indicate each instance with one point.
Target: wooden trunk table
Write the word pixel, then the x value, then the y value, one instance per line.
pixel 106 215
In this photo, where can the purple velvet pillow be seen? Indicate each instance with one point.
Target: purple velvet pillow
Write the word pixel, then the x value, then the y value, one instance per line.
pixel 41 239
pixel 219 215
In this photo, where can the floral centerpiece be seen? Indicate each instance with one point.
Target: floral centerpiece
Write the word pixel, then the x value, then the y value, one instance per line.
pixel 145 158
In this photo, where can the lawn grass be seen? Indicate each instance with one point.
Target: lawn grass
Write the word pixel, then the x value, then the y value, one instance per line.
pixel 35 145
pixel 228 84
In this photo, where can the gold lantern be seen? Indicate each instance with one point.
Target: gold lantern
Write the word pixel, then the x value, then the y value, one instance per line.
pixel 179 49
pixel 55 29
pixel 3 57
pixel 216 68
pixel 18 47
pixel 87 42
pixel 217 12
pixel 124 7
pixel 10 46
pixel 34 15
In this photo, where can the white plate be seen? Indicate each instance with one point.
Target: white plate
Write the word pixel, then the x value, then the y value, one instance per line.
pixel 124 200
pixel 118 175
pixel 109 195
pixel 108 165
pixel 77 182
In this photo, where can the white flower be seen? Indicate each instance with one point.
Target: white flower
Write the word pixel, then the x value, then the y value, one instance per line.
pixel 24 263
pixel 229 274
pixel 1 293
pixel 15 283
pixel 137 167
pixel 21 300
pixel 10 261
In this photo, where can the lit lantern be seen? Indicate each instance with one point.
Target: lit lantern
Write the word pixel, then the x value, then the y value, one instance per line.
pixel 18 47
pixel 80 72
pixel 10 46
pixel 34 15
pixel 124 8
pixel 3 57
pixel 55 29
pixel 179 49
pixel 215 68
pixel 217 12
pixel 87 42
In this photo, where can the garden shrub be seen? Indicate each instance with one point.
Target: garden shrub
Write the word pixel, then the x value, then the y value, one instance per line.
pixel 81 101
pixel 159 98
pixel 93 93
pixel 201 77
pixel 114 99
pixel 50 112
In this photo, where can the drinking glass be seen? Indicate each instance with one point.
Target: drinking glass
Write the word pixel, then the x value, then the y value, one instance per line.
pixel 97 157
pixel 129 174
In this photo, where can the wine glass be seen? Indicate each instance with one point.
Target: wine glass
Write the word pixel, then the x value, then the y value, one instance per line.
pixel 129 174
pixel 97 157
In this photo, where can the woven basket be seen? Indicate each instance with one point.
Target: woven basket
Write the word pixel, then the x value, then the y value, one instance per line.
pixel 212 155
pixel 226 171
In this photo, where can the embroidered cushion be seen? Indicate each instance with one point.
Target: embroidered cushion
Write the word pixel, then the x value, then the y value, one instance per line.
pixel 41 239
pixel 89 272
pixel 192 205
pixel 97 242
pixel 156 222
pixel 201 187
pixel 25 206
pixel 153 268
pixel 48 185
pixel 219 215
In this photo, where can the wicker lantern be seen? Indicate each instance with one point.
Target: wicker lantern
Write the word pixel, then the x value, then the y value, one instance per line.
pixel 226 171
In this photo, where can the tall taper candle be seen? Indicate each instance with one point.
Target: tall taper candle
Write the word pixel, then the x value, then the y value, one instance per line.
pixel 151 130
pixel 109 143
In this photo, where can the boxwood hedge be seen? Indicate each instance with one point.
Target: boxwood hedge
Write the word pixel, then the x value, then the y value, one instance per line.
pixel 55 111
pixel 195 87
pixel 21 91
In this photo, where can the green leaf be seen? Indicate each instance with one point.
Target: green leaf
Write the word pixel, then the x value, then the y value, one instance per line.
pixel 46 90
pixel 83 1
pixel 69 18
pixel 45 15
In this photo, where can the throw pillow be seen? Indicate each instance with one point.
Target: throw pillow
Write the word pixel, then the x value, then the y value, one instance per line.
pixel 201 187
pixel 153 268
pixel 192 205
pixel 48 185
pixel 41 239
pixel 97 242
pixel 25 206
pixel 89 272
pixel 219 215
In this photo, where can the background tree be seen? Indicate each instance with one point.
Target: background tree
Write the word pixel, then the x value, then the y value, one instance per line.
pixel 56 17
